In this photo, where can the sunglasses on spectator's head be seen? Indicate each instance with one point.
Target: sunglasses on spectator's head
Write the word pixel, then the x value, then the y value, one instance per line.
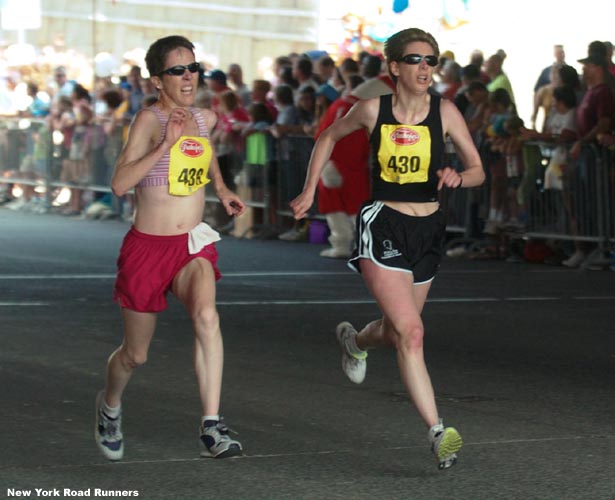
pixel 180 69
pixel 417 58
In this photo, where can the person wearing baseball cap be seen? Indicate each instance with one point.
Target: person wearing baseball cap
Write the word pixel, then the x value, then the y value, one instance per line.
pixel 216 81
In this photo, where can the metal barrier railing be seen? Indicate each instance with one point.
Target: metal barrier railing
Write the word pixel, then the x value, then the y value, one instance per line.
pixel 578 206
pixel 31 155
pixel 579 209
pixel 271 184
pixel 293 156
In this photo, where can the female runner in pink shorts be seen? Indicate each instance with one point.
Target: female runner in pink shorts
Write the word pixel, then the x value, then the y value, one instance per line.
pixel 168 159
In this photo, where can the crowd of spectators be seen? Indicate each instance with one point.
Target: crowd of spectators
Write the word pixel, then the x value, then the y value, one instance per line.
pixel 552 155
pixel 569 111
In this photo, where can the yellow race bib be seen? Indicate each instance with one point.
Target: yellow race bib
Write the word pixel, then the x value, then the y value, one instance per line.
pixel 405 153
pixel 188 165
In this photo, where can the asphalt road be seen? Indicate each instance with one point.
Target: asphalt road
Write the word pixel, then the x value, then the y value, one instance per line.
pixel 522 358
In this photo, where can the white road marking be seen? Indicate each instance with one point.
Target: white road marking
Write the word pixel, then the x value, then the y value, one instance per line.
pixel 528 441
pixel 257 274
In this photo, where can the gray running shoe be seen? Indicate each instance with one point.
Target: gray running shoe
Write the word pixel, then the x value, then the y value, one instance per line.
pixel 216 442
pixel 353 364
pixel 445 443
pixel 108 433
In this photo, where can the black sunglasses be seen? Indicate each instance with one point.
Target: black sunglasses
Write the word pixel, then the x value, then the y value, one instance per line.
pixel 417 58
pixel 179 70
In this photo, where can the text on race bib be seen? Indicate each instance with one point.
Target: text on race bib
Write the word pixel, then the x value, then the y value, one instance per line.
pixel 404 153
pixel 188 165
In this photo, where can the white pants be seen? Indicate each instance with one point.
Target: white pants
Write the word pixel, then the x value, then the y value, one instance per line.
pixel 342 227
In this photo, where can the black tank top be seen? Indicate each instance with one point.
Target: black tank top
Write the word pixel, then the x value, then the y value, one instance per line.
pixel 405 158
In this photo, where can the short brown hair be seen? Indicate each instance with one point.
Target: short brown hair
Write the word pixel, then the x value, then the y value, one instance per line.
pixel 261 86
pixel 156 56
pixel 230 99
pixel 396 44
pixel 394 47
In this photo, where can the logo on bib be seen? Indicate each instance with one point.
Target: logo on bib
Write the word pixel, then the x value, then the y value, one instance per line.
pixel 405 136
pixel 191 148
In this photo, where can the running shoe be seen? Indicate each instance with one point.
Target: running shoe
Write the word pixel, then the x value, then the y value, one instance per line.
pixel 354 364
pixel 108 433
pixel 445 443
pixel 335 253
pixel 216 442
pixel 492 227
pixel 575 260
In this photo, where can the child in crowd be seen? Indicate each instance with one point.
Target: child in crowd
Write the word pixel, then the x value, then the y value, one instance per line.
pixel 76 168
pixel 500 111
pixel 476 117
pixel 227 137
pixel 512 149
pixel 562 129
pixel 258 158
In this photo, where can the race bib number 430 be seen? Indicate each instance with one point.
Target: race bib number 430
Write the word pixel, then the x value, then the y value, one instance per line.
pixel 405 153
pixel 188 165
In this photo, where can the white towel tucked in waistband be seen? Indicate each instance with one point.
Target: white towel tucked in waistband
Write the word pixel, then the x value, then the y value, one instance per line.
pixel 201 236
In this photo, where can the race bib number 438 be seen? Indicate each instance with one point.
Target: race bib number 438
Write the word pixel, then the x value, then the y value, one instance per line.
pixel 188 165
pixel 405 153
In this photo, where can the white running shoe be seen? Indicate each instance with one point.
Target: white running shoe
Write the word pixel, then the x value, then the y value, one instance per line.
pixel 353 364
pixel 575 260
pixel 492 227
pixel 216 442
pixel 445 443
pixel 108 432
pixel 335 253
pixel 459 251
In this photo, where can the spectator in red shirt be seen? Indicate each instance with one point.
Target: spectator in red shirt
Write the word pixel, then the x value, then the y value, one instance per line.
pixel 216 80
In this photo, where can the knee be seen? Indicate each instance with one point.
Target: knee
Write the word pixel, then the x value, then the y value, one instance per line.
pixel 410 338
pixel 131 358
pixel 206 320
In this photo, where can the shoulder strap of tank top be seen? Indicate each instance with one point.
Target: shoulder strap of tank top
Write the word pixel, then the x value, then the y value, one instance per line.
pixel 434 104
pixel 162 118
pixel 200 121
pixel 385 114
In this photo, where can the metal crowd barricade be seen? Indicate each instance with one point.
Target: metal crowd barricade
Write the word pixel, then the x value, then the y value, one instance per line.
pixel 580 208
pixel 25 142
pixel 254 182
pixel 293 157
pixel 268 183
pixel 17 137
pixel 267 186
pixel 463 208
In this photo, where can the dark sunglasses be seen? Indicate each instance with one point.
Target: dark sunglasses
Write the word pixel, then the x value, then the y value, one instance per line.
pixel 417 58
pixel 179 70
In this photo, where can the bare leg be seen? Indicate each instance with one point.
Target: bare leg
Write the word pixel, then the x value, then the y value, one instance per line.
pixel 138 332
pixel 372 336
pixel 401 303
pixel 195 288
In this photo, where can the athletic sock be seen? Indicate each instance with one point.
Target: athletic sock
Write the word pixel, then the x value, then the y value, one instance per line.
pixel 110 411
pixel 351 345
pixel 209 420
pixel 436 430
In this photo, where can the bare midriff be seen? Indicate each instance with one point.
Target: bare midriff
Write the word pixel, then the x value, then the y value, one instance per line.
pixel 413 209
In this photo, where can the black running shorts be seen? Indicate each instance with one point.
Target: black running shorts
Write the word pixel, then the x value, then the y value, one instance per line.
pixel 399 242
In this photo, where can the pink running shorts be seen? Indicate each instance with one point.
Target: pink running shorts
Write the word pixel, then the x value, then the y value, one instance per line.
pixel 147 265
